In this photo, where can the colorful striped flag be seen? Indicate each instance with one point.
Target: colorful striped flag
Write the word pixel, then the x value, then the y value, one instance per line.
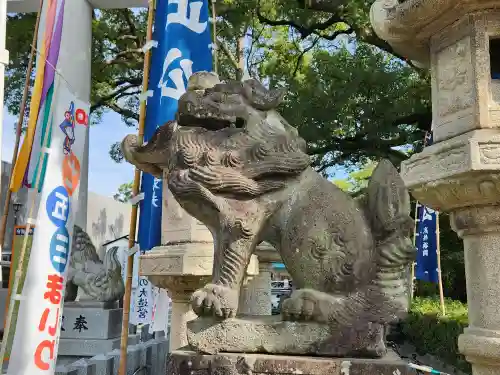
pixel 44 79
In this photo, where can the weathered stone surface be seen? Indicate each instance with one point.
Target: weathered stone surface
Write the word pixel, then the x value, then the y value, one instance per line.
pixel 189 363
pixel 237 166
pixel 100 281
pixel 82 321
pixel 460 172
pixel 409 25
pixel 270 334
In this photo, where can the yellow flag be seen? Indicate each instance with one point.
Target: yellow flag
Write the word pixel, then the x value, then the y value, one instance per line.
pixel 24 155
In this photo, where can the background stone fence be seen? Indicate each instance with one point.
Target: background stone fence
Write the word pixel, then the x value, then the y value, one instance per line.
pixel 146 357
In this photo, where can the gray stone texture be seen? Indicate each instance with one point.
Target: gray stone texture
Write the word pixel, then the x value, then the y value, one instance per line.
pixel 274 336
pixel 103 364
pixel 99 280
pixel 77 347
pixel 460 172
pixel 189 363
pixel 91 322
pixel 148 356
pixel 233 163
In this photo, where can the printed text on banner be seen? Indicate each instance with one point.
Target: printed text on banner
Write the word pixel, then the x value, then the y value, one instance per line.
pixel 38 327
pixel 426 267
pixel 182 31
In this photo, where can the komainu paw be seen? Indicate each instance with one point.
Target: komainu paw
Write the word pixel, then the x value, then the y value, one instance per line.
pixel 215 300
pixel 308 305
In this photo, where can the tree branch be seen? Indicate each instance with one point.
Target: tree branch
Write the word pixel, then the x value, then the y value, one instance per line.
pixel 301 56
pixel 359 142
pixel 127 14
pixel 228 53
pixel 306 31
pixel 104 100
pixel 422 120
pixel 123 111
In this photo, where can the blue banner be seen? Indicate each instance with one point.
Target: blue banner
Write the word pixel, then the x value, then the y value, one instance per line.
pixel 182 30
pixel 426 267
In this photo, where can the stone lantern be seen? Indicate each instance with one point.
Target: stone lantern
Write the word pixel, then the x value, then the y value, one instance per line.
pixel 459 40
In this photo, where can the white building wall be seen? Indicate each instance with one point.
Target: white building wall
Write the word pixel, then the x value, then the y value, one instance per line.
pixel 107 219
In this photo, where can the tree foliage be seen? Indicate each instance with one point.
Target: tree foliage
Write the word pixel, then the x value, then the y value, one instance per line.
pixel 124 193
pixel 350 96
pixel 357 180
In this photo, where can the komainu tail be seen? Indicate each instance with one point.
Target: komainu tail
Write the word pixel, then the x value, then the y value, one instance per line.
pixel 388 210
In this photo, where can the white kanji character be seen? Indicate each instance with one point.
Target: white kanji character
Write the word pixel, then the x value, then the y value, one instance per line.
pixel 426 230
pixel 156 186
pixel 426 237
pixel 425 245
pixel 177 75
pixel 191 20
pixel 427 214
pixel 425 253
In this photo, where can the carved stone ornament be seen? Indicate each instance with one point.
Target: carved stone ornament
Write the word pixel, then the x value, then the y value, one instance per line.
pixel 408 25
pixel 237 166
pixel 460 172
pixel 100 281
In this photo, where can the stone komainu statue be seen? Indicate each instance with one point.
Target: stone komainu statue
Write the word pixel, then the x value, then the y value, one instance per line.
pixel 235 164
pixel 100 281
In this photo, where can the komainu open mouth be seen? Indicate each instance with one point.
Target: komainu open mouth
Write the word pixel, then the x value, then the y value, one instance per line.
pixel 211 110
pixel 210 123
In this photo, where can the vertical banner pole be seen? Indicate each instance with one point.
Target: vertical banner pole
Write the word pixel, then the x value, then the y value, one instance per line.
pixel 440 278
pixel 19 127
pixel 415 233
pixel 135 191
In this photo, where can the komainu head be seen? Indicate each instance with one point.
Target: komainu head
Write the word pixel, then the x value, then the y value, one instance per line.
pixel 227 139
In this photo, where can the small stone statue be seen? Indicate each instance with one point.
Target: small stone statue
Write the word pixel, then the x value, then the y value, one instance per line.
pixel 99 281
pixel 235 164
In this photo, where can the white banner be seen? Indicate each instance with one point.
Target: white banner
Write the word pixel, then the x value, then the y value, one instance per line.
pixel 123 257
pixel 143 302
pixel 34 350
pixel 160 312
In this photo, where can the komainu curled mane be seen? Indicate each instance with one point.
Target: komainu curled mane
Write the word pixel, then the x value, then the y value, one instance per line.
pixel 235 164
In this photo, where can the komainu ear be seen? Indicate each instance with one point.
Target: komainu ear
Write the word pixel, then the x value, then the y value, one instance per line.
pixel 387 201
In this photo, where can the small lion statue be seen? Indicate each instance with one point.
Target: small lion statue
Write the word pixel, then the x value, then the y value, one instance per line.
pixel 100 281
pixel 235 164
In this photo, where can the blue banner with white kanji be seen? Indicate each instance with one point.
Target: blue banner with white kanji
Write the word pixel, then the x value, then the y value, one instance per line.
pixel 182 30
pixel 426 267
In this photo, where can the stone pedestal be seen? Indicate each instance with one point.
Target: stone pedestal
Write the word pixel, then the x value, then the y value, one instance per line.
pixel 90 328
pixel 255 297
pixel 181 269
pixel 183 265
pixel 460 173
pixel 188 363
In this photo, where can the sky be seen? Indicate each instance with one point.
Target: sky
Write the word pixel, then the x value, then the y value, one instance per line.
pixel 104 174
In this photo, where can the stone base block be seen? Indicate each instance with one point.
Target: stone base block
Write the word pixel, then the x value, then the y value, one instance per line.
pixel 91 320
pixel 272 335
pixel 90 347
pixel 188 363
